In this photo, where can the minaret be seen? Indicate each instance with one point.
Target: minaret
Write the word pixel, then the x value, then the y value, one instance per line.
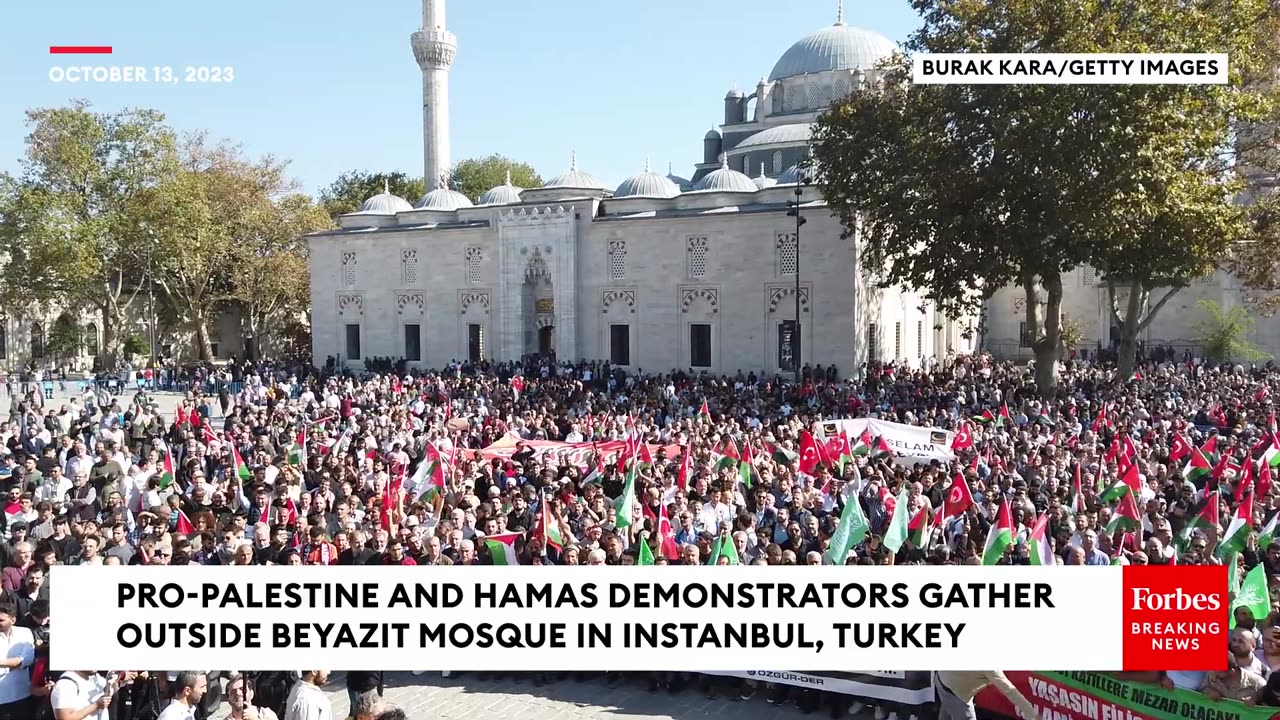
pixel 434 48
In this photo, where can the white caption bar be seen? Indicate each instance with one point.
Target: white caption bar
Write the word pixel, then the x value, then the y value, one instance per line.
pixel 1069 69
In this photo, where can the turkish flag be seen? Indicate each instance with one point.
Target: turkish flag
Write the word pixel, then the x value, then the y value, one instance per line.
pixel 959 498
pixel 666 534
pixel 963 439
pixel 809 457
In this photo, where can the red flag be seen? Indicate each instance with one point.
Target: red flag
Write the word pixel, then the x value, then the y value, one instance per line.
pixel 548 529
pixel 963 439
pixel 208 435
pixel 686 470
pixel 184 524
pixel 666 534
pixel 1180 449
pixel 1101 420
pixel 1246 480
pixel 809 457
pixel 1264 481
pixel 959 499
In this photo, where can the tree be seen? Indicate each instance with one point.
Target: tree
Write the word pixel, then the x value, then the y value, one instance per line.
pixel 475 176
pixel 70 222
pixel 65 339
pixel 1224 335
pixel 271 281
pixel 351 189
pixel 960 190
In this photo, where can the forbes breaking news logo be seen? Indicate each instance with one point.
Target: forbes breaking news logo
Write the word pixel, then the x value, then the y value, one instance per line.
pixel 1175 618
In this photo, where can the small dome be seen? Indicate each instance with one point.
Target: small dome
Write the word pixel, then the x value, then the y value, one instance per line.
pixel 763 181
pixel 792 174
pixel 504 194
pixel 838 47
pixel 575 178
pixel 725 180
pixel 384 203
pixel 647 184
pixel 712 134
pixel 443 199
pixel 783 134
pixel 733 94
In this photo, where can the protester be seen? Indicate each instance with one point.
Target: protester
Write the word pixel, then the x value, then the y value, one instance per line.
pixel 187 689
pixel 307 701
pixel 240 696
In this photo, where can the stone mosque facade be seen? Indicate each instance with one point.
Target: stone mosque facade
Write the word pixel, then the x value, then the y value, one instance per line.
pixel 659 273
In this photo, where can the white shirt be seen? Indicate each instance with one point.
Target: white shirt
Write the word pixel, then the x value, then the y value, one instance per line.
pixel 15 683
pixel 306 702
pixel 177 711
pixel 73 692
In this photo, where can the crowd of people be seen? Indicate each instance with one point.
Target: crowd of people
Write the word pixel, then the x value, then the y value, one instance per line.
pixel 314 467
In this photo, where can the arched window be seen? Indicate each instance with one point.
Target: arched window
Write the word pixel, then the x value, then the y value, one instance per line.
pixel 777 161
pixel 37 340
pixel 779 98
pixel 746 165
pixel 91 339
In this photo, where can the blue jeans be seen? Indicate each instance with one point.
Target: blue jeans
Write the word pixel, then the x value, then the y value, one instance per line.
pixel 351 702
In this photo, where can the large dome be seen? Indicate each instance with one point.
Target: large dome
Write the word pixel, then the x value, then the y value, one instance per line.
pixel 839 47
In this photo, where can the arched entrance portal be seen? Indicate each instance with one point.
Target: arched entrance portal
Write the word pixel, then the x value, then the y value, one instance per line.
pixel 540 308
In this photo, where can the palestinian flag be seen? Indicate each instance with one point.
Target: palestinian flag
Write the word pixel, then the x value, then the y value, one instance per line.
pixel 1127 484
pixel 986 418
pixel 900 523
pixel 851 531
pixel 881 450
pixel 643 456
pixel 705 411
pixel 1210 449
pixel 1044 418
pixel 1233 540
pixel 166 471
pixel 241 468
pixel 1267 535
pixel 1204 516
pixel 549 527
pixel 686 470
pixel 1000 537
pixel 963 439
pixel 1180 448
pixel 746 470
pixel 184 526
pixel 729 456
pixel 502 548
pixel 626 502
pixel 1197 468
pixel 920 527
pixel 645 555
pixel 1040 552
pixel 781 455
pixel 1253 594
pixel 1076 498
pixel 809 457
pixel 428 480
pixel 1004 419
pixel 862 448
pixel 596 474
pixel 724 547
pixel 1125 517
pixel 298 452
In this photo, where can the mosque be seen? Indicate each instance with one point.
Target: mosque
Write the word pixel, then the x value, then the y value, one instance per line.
pixel 710 273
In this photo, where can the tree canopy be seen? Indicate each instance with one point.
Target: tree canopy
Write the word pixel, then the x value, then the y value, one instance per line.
pixel 959 190
pixel 475 176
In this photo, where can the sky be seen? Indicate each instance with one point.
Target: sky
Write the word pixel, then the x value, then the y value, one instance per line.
pixel 331 85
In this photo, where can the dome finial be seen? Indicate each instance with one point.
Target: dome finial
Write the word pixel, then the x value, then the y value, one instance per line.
pixel 761 169
pixel 573 161
pixel 646 164
pixel 507 182
pixel 668 167
pixel 839 12
pixel 724 161
pixel 386 187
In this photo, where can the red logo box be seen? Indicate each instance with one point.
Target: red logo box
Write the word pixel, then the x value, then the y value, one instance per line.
pixel 1175 617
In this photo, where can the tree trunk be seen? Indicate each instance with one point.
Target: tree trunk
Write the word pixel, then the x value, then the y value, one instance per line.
pixel 110 339
pixel 1137 316
pixel 1046 333
pixel 200 325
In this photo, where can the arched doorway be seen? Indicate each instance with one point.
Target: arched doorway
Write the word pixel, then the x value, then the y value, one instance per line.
pixel 547 340
pixel 540 307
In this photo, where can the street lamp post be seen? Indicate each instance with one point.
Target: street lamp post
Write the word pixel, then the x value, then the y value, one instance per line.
pixel 794 211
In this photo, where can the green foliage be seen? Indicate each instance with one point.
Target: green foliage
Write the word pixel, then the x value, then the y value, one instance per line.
pixel 65 339
pixel 69 222
pixel 1224 334
pixel 351 189
pixel 136 345
pixel 475 176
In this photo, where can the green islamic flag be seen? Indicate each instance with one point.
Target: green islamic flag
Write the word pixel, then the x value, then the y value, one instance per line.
pixel 645 556
pixel 724 547
pixel 851 531
pixel 896 535
pixel 1253 594
pixel 627 502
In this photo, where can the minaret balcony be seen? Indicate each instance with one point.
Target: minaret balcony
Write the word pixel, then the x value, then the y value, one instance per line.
pixel 434 48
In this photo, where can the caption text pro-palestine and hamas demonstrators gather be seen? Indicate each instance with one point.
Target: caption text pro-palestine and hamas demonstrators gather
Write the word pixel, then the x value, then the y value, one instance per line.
pixel 582 464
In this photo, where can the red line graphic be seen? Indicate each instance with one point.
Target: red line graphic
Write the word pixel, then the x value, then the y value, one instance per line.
pixel 79 49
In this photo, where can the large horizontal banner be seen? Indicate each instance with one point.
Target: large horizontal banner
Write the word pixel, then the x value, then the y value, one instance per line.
pixel 575 453
pixel 911 442
pixel 1090 696
pixel 905 688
